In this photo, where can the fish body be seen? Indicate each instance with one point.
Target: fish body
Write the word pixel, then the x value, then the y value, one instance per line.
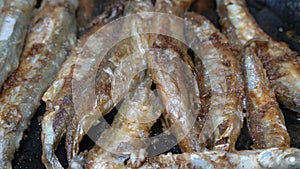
pixel 264 117
pixel 172 70
pixel 15 18
pixel 284 158
pixel 47 45
pixel 59 99
pixel 116 75
pixel 129 131
pixel 222 81
pixel 282 65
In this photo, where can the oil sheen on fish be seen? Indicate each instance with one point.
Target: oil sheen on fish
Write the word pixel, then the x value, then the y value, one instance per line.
pixel 126 137
pixel 87 21
pixel 47 45
pixel 15 18
pixel 223 84
pixel 264 117
pixel 59 100
pixel 117 74
pixel 281 63
pixel 172 71
pixel 283 158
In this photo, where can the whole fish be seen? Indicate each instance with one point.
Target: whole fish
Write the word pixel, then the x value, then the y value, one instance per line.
pixel 128 134
pixel 281 63
pixel 172 71
pixel 223 89
pixel 59 101
pixel 117 74
pixel 283 158
pixel 15 18
pixel 176 87
pixel 47 45
pixel 264 117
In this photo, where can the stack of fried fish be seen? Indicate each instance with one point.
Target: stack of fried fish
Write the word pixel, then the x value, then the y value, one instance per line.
pixel 135 56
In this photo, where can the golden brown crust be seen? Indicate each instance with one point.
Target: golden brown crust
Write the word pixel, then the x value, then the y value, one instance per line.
pixel 223 89
pixel 48 43
pixel 265 119
pixel 175 84
pixel 268 158
pixel 15 18
pixel 172 71
pixel 129 131
pixel 281 64
pixel 118 73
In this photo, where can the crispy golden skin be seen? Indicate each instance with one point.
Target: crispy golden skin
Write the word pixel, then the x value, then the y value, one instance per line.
pixel 220 81
pixel 281 63
pixel 59 100
pixel 172 71
pixel 126 138
pixel 15 18
pixel 47 45
pixel 176 86
pixel 264 117
pixel 118 73
pixel 269 158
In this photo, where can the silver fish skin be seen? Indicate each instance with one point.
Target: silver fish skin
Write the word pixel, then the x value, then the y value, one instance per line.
pixel 222 80
pixel 172 70
pixel 272 158
pixel 281 63
pixel 264 118
pixel 126 138
pixel 47 45
pixel 15 18
pixel 117 74
pixel 59 100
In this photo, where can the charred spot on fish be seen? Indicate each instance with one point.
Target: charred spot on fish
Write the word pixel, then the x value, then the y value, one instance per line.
pixel 215 37
pixel 59 120
pixel 36 49
pixel 12 118
pixel 226 63
pixel 165 42
pixel 67 100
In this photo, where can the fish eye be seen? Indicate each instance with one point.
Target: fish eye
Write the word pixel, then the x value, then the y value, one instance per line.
pixel 291 159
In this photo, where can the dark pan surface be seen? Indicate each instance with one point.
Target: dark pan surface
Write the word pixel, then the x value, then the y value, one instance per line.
pixel 29 154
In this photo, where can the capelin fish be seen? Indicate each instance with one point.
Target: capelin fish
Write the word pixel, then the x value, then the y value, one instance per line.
pixel 15 18
pixel 223 89
pixel 281 63
pixel 59 100
pixel 87 21
pixel 47 45
pixel 176 87
pixel 264 117
pixel 128 134
pixel 117 74
pixel 172 71
pixel 283 158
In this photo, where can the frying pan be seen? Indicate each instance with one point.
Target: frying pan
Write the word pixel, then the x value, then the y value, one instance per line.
pixel 277 26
